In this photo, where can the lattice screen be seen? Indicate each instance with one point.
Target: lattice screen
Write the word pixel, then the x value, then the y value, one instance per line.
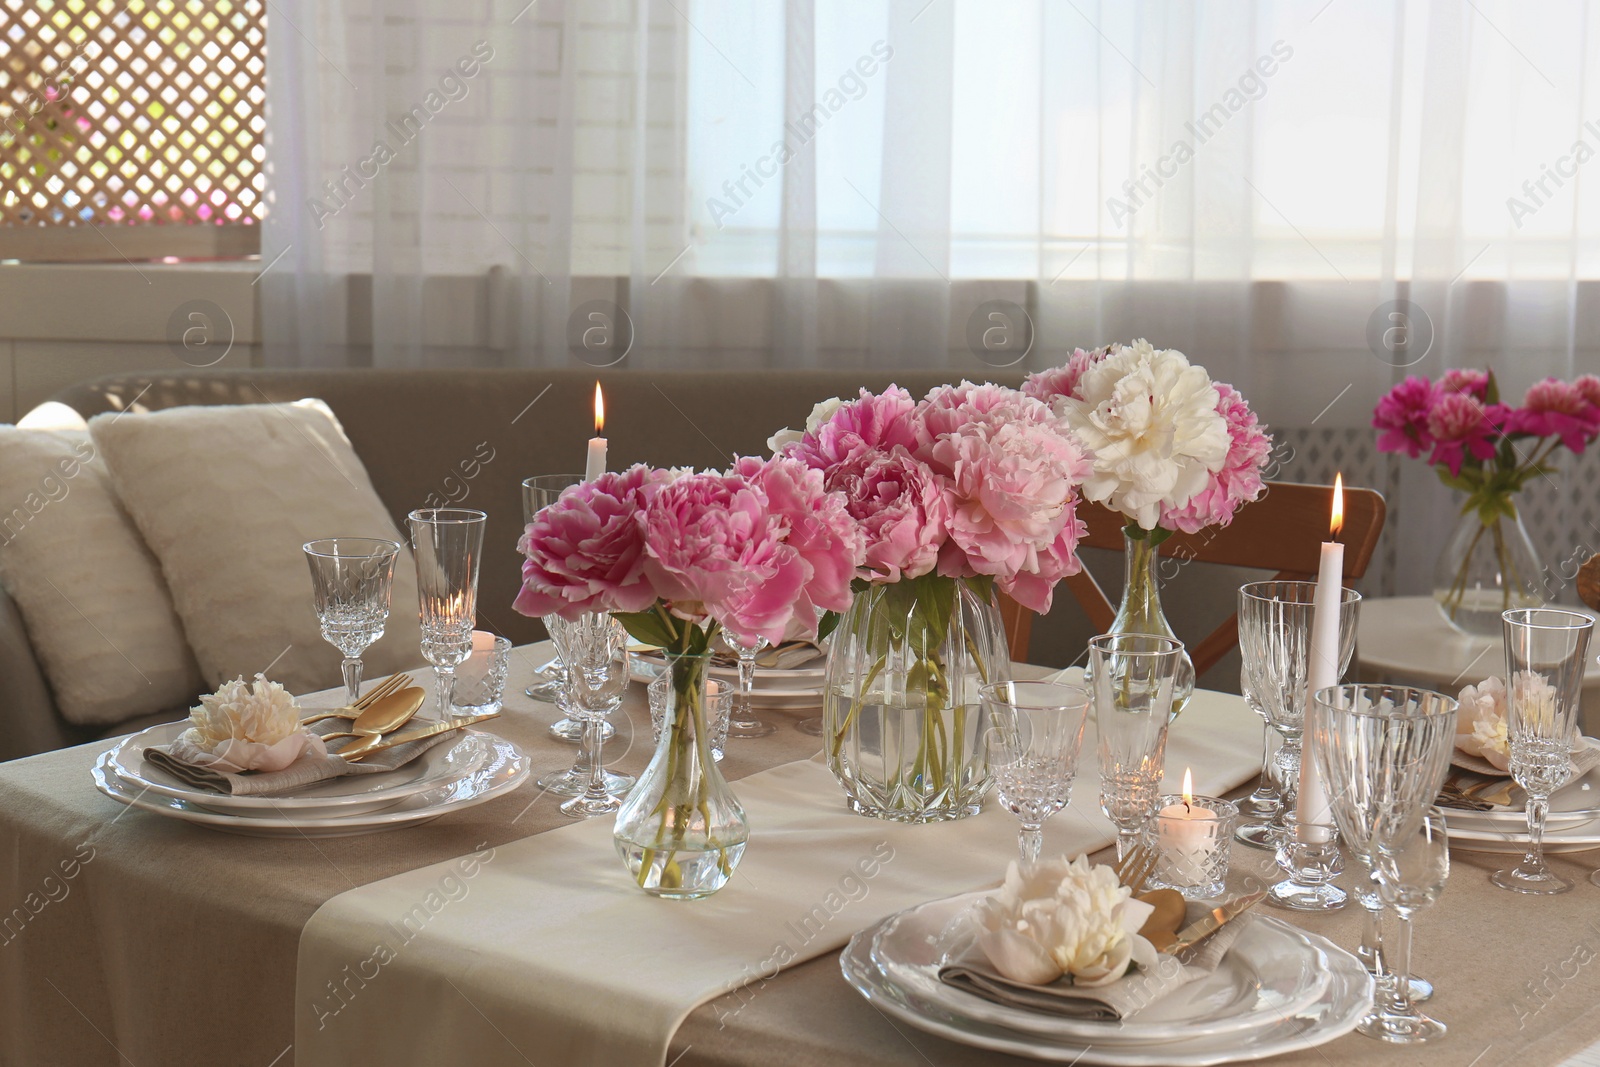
pixel 127 111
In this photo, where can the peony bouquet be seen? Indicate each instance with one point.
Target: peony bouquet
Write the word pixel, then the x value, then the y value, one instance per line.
pixel 969 490
pixel 676 556
pixel 1473 441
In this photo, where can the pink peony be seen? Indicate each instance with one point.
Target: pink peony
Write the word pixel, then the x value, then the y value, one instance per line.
pixel 1459 424
pixel 861 425
pixel 1554 408
pixel 819 528
pixel 585 552
pixel 1012 467
pixel 1046 385
pixel 1588 387
pixel 1466 380
pixel 1402 415
pixel 1238 482
pixel 714 552
pixel 902 508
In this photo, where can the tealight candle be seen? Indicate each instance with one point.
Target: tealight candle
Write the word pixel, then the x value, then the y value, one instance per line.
pixel 1193 834
pixel 480 677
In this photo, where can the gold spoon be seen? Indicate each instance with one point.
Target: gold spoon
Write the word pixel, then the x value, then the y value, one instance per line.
pixel 390 713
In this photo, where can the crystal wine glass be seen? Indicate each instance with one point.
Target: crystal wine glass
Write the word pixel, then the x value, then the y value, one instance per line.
pixel 742 721
pixel 1035 735
pixel 351 580
pixel 1275 658
pixel 1131 678
pixel 448 543
pixel 1264 805
pixel 1545 654
pixel 1383 751
pixel 595 650
pixel 1410 874
pixel 549 677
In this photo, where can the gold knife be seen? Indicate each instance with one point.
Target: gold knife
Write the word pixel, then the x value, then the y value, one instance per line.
pixel 1201 929
pixel 414 732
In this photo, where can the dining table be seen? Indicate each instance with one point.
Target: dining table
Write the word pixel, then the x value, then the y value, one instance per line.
pixel 130 938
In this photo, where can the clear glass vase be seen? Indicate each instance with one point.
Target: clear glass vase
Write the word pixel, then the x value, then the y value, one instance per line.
pixel 903 722
pixel 681 831
pixel 1486 568
pixel 1140 611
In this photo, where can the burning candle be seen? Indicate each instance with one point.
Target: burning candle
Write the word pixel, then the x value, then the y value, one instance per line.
pixel 597 444
pixel 1323 670
pixel 1192 841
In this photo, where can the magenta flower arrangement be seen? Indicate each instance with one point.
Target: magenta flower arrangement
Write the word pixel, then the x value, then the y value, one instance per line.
pixel 1489 450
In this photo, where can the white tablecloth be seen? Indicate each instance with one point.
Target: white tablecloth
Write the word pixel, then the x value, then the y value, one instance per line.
pixel 548 941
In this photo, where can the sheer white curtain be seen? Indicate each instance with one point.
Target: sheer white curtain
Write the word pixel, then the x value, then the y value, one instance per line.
pixel 869 182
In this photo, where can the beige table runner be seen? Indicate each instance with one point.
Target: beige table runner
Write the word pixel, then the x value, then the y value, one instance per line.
pixel 548 940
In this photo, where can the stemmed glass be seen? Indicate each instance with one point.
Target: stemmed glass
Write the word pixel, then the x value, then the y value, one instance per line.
pixel 351 580
pixel 1410 875
pixel 595 651
pixel 1265 804
pixel 549 677
pixel 742 721
pixel 1275 659
pixel 1545 654
pixel 1131 678
pixel 448 543
pixel 1383 751
pixel 1035 735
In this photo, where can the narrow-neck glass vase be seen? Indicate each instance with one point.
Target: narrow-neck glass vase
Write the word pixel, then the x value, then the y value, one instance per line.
pixel 1140 611
pixel 681 831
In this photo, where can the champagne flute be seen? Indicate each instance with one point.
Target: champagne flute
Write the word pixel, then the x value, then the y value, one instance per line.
pixel 351 581
pixel 1410 874
pixel 1545 653
pixel 1034 738
pixel 1132 678
pixel 448 543
pixel 742 721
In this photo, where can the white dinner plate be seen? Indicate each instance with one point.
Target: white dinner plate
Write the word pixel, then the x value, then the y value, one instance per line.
pixel 351 794
pixel 797 688
pixel 1346 997
pixel 504 769
pixel 1582 837
pixel 1272 971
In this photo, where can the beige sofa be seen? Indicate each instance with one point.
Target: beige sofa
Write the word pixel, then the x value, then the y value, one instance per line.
pixel 467 437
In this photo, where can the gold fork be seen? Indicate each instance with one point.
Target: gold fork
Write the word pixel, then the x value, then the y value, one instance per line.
pixel 1137 866
pixel 393 684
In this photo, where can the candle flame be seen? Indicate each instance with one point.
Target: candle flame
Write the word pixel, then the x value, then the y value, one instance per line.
pixel 1188 788
pixel 1337 526
pixel 599 410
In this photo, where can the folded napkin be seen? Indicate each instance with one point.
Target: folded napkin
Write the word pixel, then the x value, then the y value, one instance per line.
pixel 181 759
pixel 969 969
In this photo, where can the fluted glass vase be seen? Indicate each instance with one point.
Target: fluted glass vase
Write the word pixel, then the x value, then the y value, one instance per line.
pixel 903 722
pixel 1140 611
pixel 681 831
pixel 1486 568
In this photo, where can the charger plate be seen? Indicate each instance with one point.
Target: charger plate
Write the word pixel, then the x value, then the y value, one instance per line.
pixel 352 794
pixel 505 768
pixel 891 962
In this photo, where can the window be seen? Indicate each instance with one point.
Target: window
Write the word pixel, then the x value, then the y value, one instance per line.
pixel 131 128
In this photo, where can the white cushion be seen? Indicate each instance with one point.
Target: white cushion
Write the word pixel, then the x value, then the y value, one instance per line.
pixel 225 497
pixel 89 591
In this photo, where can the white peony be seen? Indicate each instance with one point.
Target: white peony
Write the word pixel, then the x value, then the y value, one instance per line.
pixel 1149 419
pixel 1063 918
pixel 820 413
pixel 253 727
pixel 1481 722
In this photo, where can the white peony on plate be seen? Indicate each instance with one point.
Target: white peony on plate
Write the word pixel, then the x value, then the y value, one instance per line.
pixel 1346 996
pixel 1273 970
pixel 352 794
pixel 504 768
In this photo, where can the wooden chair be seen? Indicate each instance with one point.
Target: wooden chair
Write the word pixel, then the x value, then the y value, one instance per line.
pixel 1282 531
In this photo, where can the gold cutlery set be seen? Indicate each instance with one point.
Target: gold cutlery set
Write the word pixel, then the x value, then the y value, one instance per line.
pixel 377 719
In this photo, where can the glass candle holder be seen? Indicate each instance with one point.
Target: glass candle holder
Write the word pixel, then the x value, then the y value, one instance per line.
pixel 481 677
pixel 1193 836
